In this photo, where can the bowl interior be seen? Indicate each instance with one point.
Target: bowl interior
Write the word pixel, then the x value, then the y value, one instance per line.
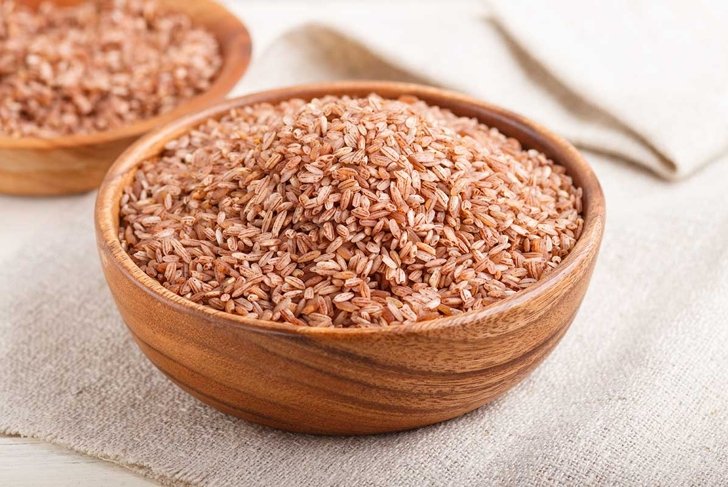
pixel 530 134
pixel 235 46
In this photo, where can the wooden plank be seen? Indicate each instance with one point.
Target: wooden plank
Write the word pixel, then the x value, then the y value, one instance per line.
pixel 28 462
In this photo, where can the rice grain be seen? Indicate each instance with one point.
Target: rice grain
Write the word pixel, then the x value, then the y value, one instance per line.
pixel 98 65
pixel 348 212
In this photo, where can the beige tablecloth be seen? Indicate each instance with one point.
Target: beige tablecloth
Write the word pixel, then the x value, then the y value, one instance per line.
pixel 637 392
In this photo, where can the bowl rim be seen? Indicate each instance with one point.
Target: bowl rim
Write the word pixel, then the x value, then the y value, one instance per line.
pixel 106 210
pixel 236 55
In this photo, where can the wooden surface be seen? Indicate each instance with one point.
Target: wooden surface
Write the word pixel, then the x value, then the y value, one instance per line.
pixel 31 463
pixel 73 164
pixel 351 381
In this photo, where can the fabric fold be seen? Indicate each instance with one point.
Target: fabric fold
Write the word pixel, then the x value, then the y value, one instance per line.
pixel 658 70
pixel 645 82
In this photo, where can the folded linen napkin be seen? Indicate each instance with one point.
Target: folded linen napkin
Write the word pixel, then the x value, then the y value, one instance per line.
pixel 645 81
pixel 655 72
pixel 635 394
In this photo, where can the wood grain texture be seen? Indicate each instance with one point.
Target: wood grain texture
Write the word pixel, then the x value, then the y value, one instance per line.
pixel 77 163
pixel 351 381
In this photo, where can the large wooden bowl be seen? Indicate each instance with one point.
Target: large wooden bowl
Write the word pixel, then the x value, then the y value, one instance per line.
pixel 350 381
pixel 77 163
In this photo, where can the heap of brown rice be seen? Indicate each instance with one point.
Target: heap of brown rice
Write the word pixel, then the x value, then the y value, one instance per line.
pixel 97 66
pixel 348 212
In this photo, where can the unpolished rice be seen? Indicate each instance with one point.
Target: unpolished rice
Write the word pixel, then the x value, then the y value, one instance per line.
pixel 348 212
pixel 97 66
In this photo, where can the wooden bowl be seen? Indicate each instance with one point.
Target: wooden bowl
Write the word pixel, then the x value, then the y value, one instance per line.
pixel 350 381
pixel 77 163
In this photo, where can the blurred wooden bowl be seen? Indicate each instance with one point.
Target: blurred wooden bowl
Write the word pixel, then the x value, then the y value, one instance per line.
pixel 350 381
pixel 77 163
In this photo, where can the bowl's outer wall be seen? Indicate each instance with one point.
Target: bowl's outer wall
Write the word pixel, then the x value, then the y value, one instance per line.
pixel 358 383
pixel 328 384
pixel 74 164
pixel 59 170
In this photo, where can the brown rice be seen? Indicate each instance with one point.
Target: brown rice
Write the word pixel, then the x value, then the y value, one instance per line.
pixel 348 212
pixel 97 66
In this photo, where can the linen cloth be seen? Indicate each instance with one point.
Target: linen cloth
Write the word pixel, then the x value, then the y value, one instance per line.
pixel 635 394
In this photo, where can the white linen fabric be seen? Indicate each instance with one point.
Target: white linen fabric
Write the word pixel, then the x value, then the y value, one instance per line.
pixel 635 394
pixel 643 80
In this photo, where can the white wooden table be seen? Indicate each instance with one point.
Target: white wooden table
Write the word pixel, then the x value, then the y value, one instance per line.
pixel 26 462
